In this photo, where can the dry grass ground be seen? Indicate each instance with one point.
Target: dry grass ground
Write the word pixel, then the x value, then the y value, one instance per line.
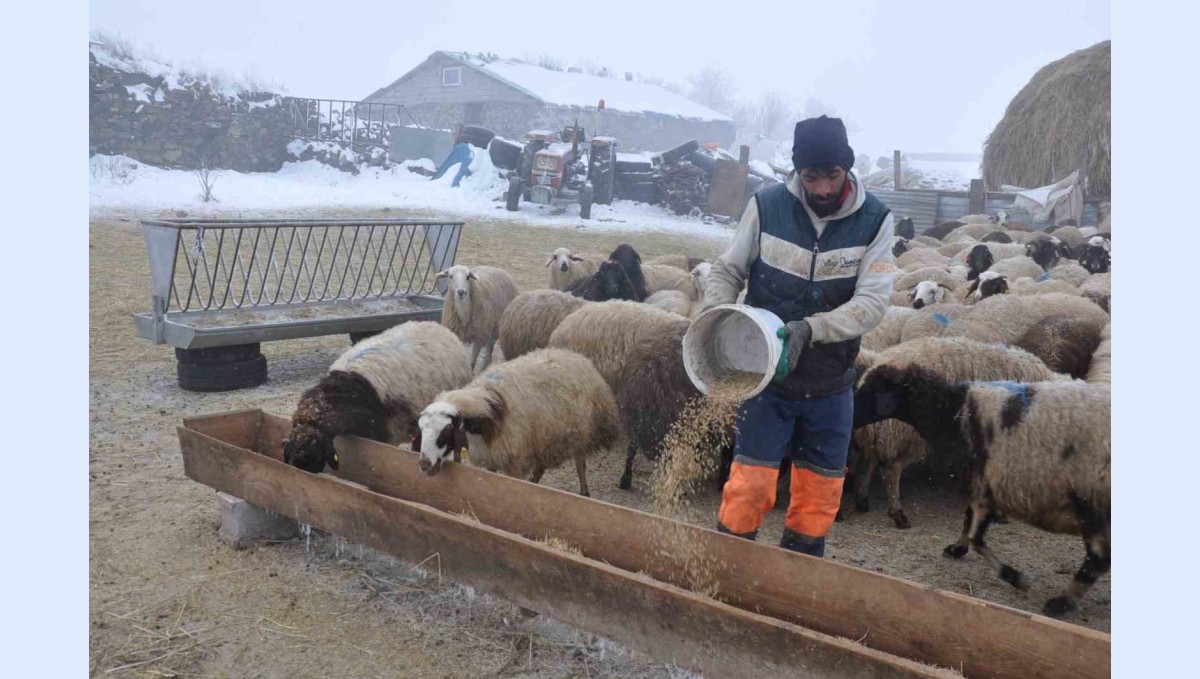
pixel 168 599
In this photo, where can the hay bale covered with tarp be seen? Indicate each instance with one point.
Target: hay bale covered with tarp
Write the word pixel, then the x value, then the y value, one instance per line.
pixel 1059 122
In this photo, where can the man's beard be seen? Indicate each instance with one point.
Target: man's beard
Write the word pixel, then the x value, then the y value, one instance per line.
pixel 824 208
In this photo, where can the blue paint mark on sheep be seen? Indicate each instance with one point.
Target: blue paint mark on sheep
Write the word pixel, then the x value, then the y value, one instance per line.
pixel 1043 278
pixel 941 319
pixel 1017 389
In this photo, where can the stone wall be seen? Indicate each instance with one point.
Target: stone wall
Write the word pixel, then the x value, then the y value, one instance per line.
pixel 165 124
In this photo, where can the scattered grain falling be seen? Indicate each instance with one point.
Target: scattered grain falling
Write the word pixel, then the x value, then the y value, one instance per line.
pixel 691 451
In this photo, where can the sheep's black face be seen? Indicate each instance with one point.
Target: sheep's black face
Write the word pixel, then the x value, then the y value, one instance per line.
pixel 309 452
pixel 613 282
pixel 1095 259
pixel 979 260
pixel 899 248
pixel 906 229
pixel 881 396
pixel 1045 252
pixel 441 435
pixel 993 286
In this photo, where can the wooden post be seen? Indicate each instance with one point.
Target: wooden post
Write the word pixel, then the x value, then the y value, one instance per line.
pixel 896 176
pixel 976 198
pixel 744 155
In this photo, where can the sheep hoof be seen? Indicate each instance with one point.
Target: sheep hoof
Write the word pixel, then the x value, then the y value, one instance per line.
pixel 1014 577
pixel 955 551
pixel 625 483
pixel 900 519
pixel 862 504
pixel 1058 606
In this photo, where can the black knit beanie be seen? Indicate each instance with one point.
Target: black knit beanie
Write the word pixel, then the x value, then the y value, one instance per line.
pixel 821 140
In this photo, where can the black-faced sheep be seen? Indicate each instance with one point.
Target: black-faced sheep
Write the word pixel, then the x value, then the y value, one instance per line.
pixel 566 268
pixel 1036 452
pixel 983 255
pixel 523 417
pixel 1096 257
pixel 610 282
pixel 1065 344
pixel 893 445
pixel 942 229
pixel 631 262
pixel 899 246
pixel 375 390
pixel 638 349
pixel 987 284
pixel 905 228
pixel 1046 251
pixel 529 321
pixel 475 301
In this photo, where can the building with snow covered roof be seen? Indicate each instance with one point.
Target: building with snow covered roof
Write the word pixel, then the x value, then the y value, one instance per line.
pixel 513 97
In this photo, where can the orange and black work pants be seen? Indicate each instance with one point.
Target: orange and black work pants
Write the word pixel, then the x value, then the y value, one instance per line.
pixel 816 433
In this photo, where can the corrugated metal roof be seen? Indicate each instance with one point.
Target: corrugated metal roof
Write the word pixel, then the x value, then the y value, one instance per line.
pixel 922 207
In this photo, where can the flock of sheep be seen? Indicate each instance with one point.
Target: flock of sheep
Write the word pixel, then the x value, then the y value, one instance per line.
pixel 594 362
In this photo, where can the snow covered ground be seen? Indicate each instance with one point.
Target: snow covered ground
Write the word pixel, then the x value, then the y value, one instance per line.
pixel 118 186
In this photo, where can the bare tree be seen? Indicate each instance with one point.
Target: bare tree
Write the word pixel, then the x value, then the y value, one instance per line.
pixel 862 164
pixel 545 61
pixel 884 163
pixel 207 178
pixel 713 88
pixel 772 115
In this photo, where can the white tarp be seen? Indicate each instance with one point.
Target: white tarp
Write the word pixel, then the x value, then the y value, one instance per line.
pixel 1054 203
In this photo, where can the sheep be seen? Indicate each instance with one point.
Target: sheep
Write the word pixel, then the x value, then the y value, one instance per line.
pixel 609 282
pixel 1064 343
pixel 894 445
pixel 939 275
pixel 1017 267
pixel 998 251
pixel 930 321
pixel 677 261
pixel 1069 272
pixel 684 304
pixel 979 218
pixel 375 390
pixel 662 277
pixel 887 333
pixel 1069 235
pixel 638 350
pixel 523 417
pixel 927 293
pixel 568 268
pixel 1098 288
pixel 996 237
pixel 631 262
pixel 919 258
pixel 975 230
pixel 1047 251
pixel 899 246
pixel 1088 231
pixel 529 321
pixel 1100 369
pixel 927 240
pixel 961 238
pixel 1004 318
pixel 989 283
pixel 952 249
pixel 1096 257
pixel 1038 452
pixel 905 228
pixel 475 301
pixel 942 229
pixel 1030 286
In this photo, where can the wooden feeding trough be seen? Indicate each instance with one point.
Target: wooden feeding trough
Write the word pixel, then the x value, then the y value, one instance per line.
pixel 224 286
pixel 776 613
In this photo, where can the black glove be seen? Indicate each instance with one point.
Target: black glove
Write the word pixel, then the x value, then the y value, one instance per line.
pixel 796 336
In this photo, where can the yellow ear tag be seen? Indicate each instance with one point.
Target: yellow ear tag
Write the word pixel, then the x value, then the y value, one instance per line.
pixel 463 455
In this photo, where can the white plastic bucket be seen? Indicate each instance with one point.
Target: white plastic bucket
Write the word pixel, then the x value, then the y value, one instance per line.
pixel 732 338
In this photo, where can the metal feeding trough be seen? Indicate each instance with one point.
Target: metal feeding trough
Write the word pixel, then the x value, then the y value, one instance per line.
pixel 224 286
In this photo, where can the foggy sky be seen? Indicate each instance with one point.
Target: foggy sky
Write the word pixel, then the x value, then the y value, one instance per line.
pixel 927 76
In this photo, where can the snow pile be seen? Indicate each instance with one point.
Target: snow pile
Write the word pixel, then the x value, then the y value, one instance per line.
pixel 310 185
pixel 585 91
pixel 123 58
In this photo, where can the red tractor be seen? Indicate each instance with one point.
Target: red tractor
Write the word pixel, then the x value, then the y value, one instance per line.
pixel 559 168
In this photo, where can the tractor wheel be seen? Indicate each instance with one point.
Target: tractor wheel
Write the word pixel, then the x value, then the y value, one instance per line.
pixel 513 196
pixel 585 200
pixel 222 376
pixel 476 136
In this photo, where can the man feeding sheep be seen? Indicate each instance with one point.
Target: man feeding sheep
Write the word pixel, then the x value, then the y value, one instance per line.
pixel 816 252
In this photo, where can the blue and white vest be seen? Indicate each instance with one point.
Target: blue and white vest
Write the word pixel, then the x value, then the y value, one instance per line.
pixel 797 275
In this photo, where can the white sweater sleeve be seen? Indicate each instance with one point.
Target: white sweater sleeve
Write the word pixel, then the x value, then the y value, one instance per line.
pixel 729 272
pixel 872 293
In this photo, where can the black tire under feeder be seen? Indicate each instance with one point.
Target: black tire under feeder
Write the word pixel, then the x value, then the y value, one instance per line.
pixel 216 369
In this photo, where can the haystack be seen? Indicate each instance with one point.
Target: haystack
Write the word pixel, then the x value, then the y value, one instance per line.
pixel 1059 122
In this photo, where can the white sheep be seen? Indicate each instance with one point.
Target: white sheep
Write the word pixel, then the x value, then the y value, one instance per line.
pixel 1020 266
pixel 1100 369
pixel 948 280
pixel 920 258
pixel 1070 272
pixel 665 277
pixel 931 321
pixel 928 241
pixel 375 390
pixel 1004 318
pixel 952 249
pixel 1032 286
pixel 927 293
pixel 475 301
pixel 566 268
pixel 1098 288
pixel 531 318
pixel 987 284
pixel 894 445
pixel 1036 452
pixel 887 333
pixel 523 417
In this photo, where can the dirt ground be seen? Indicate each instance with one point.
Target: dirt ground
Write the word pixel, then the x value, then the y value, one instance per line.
pixel 168 599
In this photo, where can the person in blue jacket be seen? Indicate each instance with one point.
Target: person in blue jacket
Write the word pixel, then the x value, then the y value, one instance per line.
pixel 460 155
